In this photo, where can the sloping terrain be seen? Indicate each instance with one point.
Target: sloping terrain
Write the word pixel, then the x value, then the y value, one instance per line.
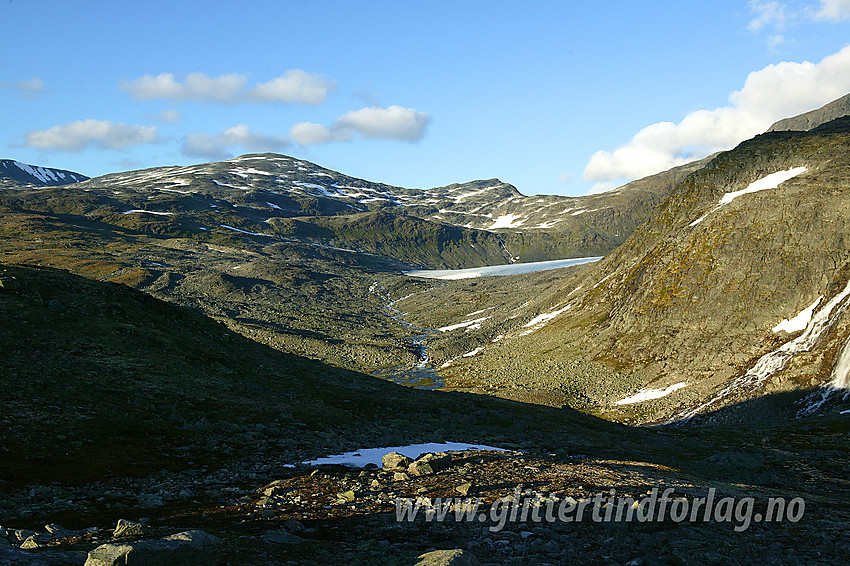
pixel 688 310
pixel 120 406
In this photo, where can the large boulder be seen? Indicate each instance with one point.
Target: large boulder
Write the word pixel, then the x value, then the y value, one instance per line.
pixel 395 461
pixel 430 463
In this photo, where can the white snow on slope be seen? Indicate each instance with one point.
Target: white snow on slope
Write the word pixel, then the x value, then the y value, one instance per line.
pixel 776 360
pixel 771 181
pixel 649 394
pixel 360 458
pixel 465 324
pixel 243 231
pixel 148 212
pixel 220 184
pixel 43 175
pixel 540 320
pixel 500 270
pixel 474 352
pixel 799 322
pixel 507 221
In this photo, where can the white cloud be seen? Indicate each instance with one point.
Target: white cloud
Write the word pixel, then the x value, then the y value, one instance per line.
pixel 375 122
pixel 169 116
pixel 79 135
pixel 27 88
pixel 218 146
pixel 770 94
pixel 767 14
pixel 197 86
pixel 310 133
pixel 294 86
pixel 834 10
pixel 395 123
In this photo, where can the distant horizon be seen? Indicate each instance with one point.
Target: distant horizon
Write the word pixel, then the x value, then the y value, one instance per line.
pixel 553 99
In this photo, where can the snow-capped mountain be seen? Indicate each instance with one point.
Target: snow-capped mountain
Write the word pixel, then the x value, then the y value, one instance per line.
pixel 15 173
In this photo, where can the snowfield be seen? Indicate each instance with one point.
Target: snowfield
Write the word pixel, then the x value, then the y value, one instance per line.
pixel 650 394
pixel 771 181
pixel 500 270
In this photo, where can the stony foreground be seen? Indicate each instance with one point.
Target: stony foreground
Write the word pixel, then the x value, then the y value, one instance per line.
pixel 337 515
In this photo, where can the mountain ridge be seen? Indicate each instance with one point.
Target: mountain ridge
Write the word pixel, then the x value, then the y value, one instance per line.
pixel 13 173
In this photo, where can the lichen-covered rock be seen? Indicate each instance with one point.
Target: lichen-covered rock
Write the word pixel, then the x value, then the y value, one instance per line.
pixel 454 557
pixel 430 463
pixel 395 460
pixel 126 528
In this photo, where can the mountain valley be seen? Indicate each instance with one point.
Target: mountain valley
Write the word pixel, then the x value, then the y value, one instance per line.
pixel 178 342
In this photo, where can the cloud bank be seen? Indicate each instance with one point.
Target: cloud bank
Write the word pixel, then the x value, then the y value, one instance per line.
pixel 375 122
pixel 770 94
pixel 77 136
pixel 293 87
pixel 219 146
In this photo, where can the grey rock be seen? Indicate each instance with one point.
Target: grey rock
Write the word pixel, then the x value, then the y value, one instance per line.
pixel 22 534
pixel 189 548
pixel 395 460
pixel 430 463
pixel 57 530
pixel 126 528
pixel 807 121
pixel 34 541
pixel 347 495
pixel 454 557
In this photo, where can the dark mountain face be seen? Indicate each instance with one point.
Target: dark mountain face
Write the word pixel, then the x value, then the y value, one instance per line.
pixel 14 173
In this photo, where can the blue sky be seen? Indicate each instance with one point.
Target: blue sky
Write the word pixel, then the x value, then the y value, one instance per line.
pixel 553 97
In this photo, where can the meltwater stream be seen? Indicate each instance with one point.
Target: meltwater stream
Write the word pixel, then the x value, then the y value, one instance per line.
pixel 421 375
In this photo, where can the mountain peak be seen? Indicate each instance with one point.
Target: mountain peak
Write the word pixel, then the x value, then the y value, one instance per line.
pixel 814 118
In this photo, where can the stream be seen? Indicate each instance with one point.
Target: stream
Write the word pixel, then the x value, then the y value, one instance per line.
pixel 420 375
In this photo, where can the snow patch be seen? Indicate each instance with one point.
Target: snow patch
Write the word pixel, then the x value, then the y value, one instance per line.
pixel 464 324
pixel 650 394
pixel 507 221
pixel 799 322
pixel 243 231
pixel 771 181
pixel 139 211
pixel 541 320
pixel 474 352
pixel 360 458
pixel 776 360
pixel 499 270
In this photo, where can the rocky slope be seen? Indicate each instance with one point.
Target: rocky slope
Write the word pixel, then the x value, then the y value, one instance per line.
pixel 687 313
pixel 836 109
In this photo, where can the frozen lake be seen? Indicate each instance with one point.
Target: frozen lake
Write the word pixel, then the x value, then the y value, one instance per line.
pixel 496 270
